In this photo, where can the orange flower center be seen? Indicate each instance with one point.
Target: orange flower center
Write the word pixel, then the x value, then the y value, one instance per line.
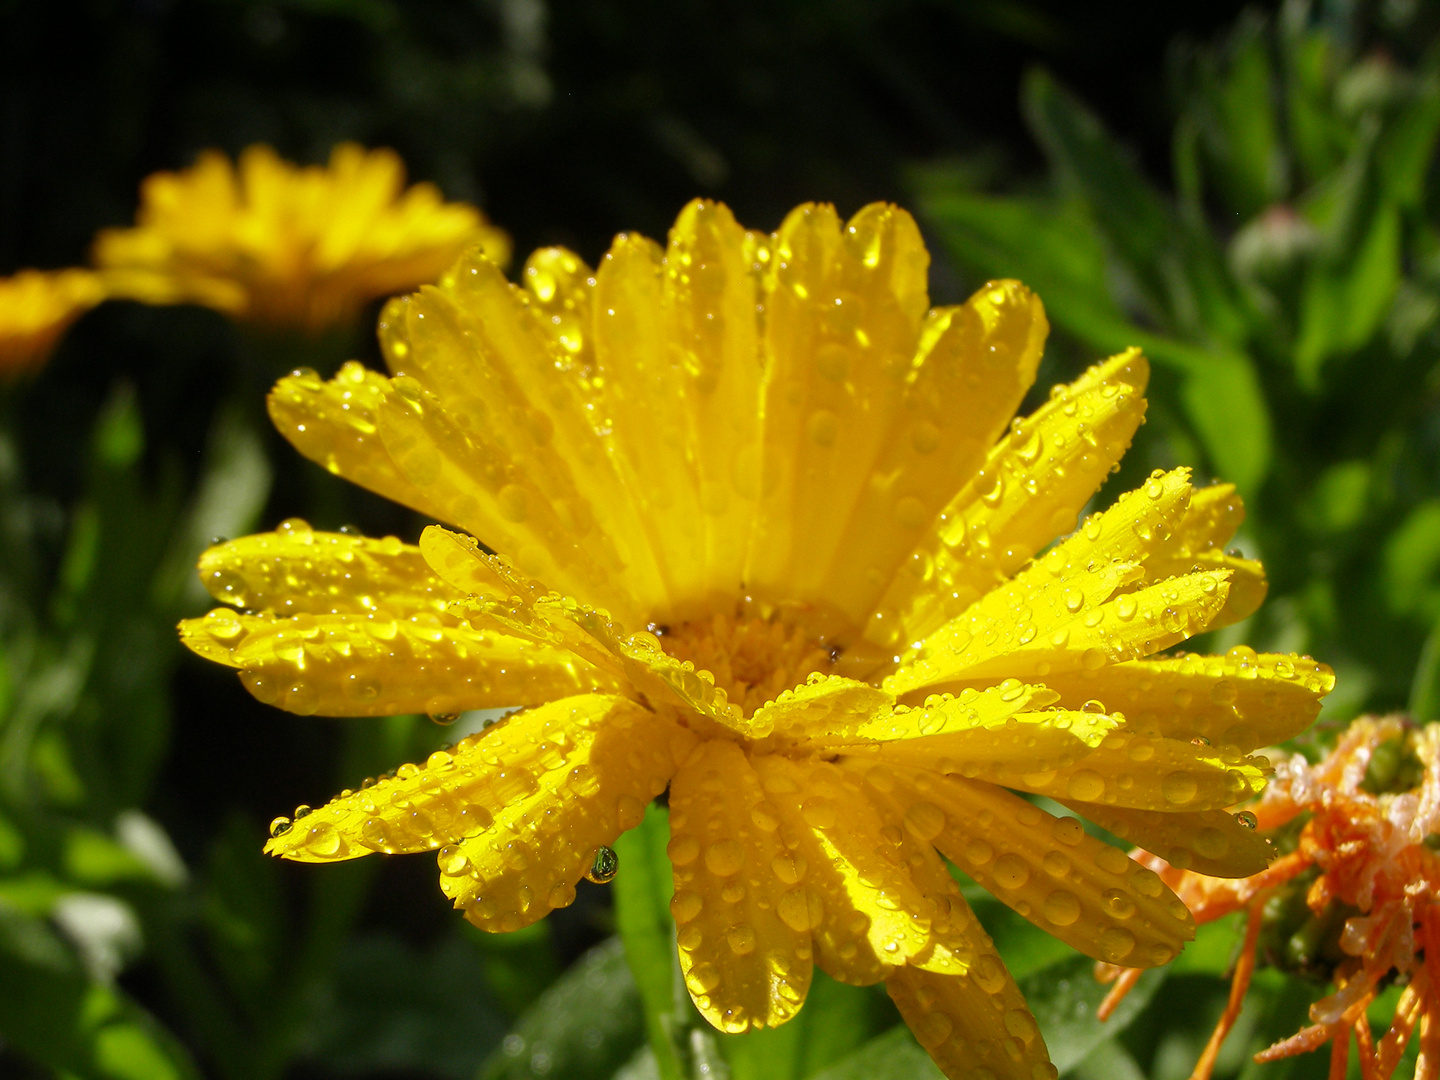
pixel 753 659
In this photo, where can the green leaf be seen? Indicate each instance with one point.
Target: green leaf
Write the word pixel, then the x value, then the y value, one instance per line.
pixel 1056 252
pixel 1234 109
pixel 1425 690
pixel 50 1011
pixel 1410 562
pixel 892 1056
pixel 835 1021
pixel 584 1027
pixel 1064 998
pixel 390 1007
pixel 1091 165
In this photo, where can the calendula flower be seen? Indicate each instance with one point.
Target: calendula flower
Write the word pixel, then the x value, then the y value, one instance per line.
pixel 272 243
pixel 794 570
pixel 36 307
pixel 1352 901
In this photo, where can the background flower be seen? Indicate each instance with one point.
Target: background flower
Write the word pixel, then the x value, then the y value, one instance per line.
pixel 283 246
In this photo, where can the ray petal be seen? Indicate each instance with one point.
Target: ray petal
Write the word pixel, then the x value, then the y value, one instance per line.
pixel 296 570
pixel 973 366
pixel 1033 483
pixel 364 665
pixel 972 1025
pixel 1209 842
pixel 844 875
pixel 1071 885
pixel 334 424
pixel 1244 700
pixel 745 955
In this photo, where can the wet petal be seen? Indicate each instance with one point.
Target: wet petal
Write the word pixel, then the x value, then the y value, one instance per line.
pixel 1033 483
pixel 569 750
pixel 1209 842
pixel 334 424
pixel 1084 892
pixel 375 665
pixel 744 954
pixel 973 366
pixel 1242 700
pixel 843 311
pixel 1198 542
pixel 295 570
pixel 842 875
pixel 972 1025
pixel 579 796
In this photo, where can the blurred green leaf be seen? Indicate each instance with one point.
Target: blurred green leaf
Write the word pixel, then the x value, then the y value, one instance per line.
pixel 80 1028
pixel 1339 498
pixel 1064 998
pixel 1410 561
pixel 1057 253
pixel 835 1020
pixel 243 915
pixel 584 1027
pixel 517 966
pixel 892 1056
pixel 1425 690
pixel 1233 107
pixel 392 1007
pixel 1092 167
pixel 1108 1061
pixel 94 859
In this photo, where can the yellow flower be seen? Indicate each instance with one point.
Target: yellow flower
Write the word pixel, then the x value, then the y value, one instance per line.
pixel 280 245
pixel 36 307
pixel 788 541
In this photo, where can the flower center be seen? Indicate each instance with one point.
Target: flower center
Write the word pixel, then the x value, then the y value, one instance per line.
pixel 752 659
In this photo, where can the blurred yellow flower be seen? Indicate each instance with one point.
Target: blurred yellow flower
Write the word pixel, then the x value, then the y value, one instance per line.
pixel 36 307
pixel 1354 900
pixel 788 537
pixel 281 245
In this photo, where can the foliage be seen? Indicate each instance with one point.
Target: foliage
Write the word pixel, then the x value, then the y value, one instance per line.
pixel 1288 293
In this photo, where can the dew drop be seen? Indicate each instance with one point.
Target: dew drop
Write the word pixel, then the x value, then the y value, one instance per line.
pixel 604 866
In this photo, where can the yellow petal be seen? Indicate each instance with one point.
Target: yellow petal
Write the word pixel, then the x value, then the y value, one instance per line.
pixel 644 399
pixel 1207 841
pixel 745 955
pixel 1198 542
pixel 973 366
pixel 482 487
pixel 975 1025
pixel 1058 614
pixel 710 297
pixel 1034 481
pixel 1084 892
pixel 840 872
pixel 560 286
pixel 379 665
pixel 593 765
pixel 843 310
pixel 1028 744
pixel 823 710
pixel 543 350
pixel 1101 631
pixel 578 748
pixel 1136 771
pixel 296 570
pixel 1242 700
pixel 334 424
